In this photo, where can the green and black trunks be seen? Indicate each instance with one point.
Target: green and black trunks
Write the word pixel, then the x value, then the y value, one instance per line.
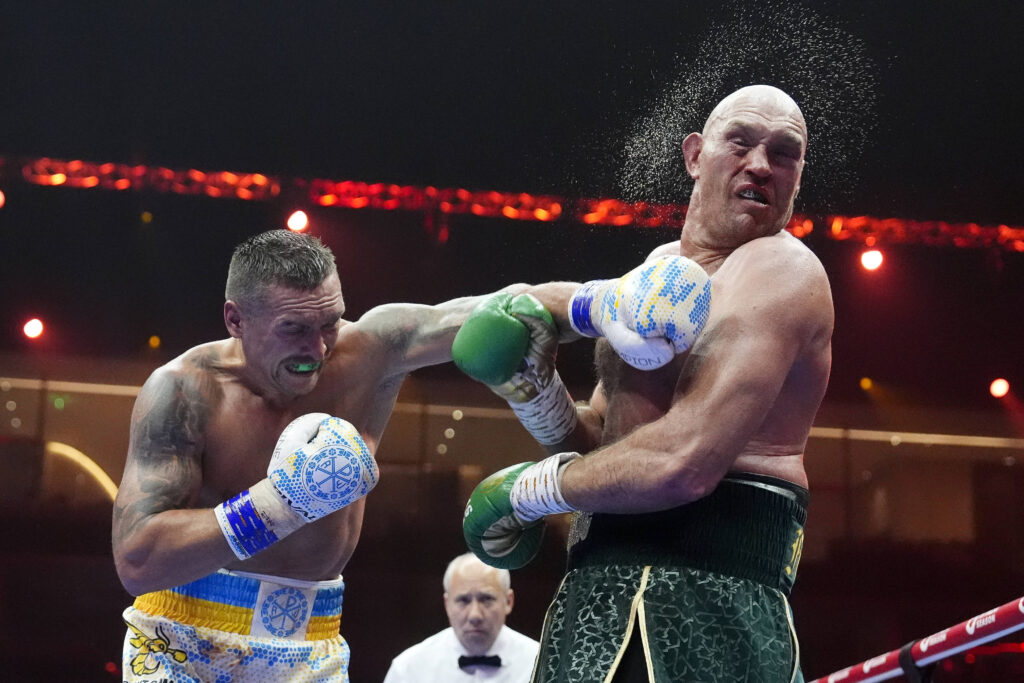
pixel 695 594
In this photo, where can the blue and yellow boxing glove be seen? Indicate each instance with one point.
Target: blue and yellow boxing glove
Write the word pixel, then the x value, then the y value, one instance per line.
pixel 648 315
pixel 320 464
pixel 509 343
pixel 503 523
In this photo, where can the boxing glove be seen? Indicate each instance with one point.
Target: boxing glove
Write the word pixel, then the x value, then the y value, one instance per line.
pixel 320 464
pixel 503 523
pixel 492 342
pixel 648 315
pixel 490 347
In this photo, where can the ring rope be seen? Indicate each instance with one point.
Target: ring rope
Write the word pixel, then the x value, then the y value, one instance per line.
pixel 987 626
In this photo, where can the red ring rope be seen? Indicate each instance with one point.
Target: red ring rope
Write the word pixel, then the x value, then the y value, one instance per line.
pixel 987 626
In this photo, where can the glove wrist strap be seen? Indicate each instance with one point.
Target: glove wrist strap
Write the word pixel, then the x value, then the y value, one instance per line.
pixel 255 519
pixel 581 305
pixel 550 416
pixel 537 491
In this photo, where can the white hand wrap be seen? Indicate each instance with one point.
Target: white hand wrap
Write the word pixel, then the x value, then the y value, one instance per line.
pixel 550 416
pixel 536 491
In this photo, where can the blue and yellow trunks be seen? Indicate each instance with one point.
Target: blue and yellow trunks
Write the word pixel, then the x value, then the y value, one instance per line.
pixel 235 626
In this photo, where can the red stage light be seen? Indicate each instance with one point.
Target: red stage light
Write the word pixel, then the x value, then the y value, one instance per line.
pixel 3 199
pixel 871 259
pixel 999 388
pixel 298 221
pixel 33 328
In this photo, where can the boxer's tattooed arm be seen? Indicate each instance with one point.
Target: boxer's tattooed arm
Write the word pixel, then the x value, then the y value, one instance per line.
pixel 164 466
pixel 412 336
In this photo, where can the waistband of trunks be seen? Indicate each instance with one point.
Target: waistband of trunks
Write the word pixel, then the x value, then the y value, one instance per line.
pixel 750 526
pixel 253 605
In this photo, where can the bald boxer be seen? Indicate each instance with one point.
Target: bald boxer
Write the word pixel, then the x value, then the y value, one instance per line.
pixel 690 504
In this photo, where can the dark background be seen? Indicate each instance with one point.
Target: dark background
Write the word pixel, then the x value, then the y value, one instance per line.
pixel 531 98
pixel 913 109
pixel 916 114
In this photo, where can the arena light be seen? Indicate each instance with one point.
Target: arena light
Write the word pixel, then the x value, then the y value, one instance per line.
pixel 866 384
pixel 33 329
pixel 999 388
pixel 871 259
pixel 3 199
pixel 866 230
pixel 298 221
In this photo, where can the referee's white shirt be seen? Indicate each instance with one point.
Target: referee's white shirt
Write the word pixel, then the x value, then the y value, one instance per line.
pixel 436 660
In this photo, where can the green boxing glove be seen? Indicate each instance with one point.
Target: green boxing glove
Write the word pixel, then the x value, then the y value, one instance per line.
pixel 491 528
pixel 509 343
pixel 503 524
pixel 492 343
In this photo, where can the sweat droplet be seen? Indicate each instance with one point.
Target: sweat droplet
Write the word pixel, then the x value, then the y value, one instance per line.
pixel 824 68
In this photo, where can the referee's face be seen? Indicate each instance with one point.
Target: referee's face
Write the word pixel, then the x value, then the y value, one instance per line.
pixel 477 607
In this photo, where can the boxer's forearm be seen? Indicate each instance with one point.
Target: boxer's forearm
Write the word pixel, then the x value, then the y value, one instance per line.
pixel 171 548
pixel 645 482
pixel 416 335
pixel 556 296
pixel 585 437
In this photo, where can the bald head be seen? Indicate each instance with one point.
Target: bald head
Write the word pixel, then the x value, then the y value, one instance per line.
pixel 765 99
pixel 746 166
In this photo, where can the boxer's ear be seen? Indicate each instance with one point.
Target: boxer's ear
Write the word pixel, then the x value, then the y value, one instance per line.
pixel 692 146
pixel 233 318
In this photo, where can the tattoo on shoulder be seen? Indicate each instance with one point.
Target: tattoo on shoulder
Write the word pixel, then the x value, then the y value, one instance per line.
pixel 168 424
pixel 171 418
pixel 393 324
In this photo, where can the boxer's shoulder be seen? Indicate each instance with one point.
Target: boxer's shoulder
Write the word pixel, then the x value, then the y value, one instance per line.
pixel 193 384
pixel 387 326
pixel 779 262
pixel 209 358
pixel 669 249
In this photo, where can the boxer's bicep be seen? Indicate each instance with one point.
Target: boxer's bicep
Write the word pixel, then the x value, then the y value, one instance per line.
pixel 739 365
pixel 163 469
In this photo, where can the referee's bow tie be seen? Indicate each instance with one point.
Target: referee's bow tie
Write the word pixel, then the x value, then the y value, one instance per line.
pixel 484 660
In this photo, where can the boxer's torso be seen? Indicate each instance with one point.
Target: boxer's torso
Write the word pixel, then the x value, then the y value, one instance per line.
pixel 636 397
pixel 243 428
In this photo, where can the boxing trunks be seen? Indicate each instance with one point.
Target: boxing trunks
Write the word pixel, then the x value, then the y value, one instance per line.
pixel 236 626
pixel 703 587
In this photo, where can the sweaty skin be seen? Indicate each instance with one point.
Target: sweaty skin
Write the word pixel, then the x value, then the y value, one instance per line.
pixel 744 397
pixel 205 425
